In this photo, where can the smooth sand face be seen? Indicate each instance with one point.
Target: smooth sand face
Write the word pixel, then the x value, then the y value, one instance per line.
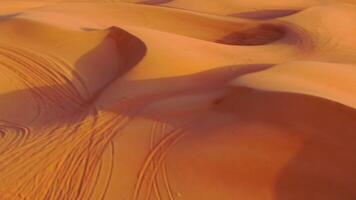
pixel 180 99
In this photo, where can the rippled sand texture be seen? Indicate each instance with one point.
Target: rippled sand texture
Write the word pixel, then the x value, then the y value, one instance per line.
pixel 178 100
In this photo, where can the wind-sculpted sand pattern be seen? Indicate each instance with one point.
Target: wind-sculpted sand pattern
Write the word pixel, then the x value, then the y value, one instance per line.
pixel 177 100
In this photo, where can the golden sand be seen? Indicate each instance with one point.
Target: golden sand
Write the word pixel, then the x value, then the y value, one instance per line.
pixel 177 100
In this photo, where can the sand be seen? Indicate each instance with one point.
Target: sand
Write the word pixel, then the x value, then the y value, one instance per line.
pixel 177 99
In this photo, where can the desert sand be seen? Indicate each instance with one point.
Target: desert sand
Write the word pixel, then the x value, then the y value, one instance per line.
pixel 177 100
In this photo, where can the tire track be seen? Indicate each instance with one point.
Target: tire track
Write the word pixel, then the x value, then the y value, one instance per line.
pixel 158 130
pixel 24 158
pixel 90 156
pixel 144 170
pixel 37 72
pixel 12 135
pixel 152 144
pixel 158 154
pixel 174 138
pixel 111 170
pixel 75 170
pixel 165 171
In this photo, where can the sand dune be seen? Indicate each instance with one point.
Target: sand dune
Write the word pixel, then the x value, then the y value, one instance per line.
pixel 177 99
pixel 307 78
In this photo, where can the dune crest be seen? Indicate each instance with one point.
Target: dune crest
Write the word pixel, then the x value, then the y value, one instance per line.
pixel 311 78
pixel 265 14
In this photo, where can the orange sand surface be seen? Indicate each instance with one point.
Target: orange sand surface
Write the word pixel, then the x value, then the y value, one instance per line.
pixel 177 100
